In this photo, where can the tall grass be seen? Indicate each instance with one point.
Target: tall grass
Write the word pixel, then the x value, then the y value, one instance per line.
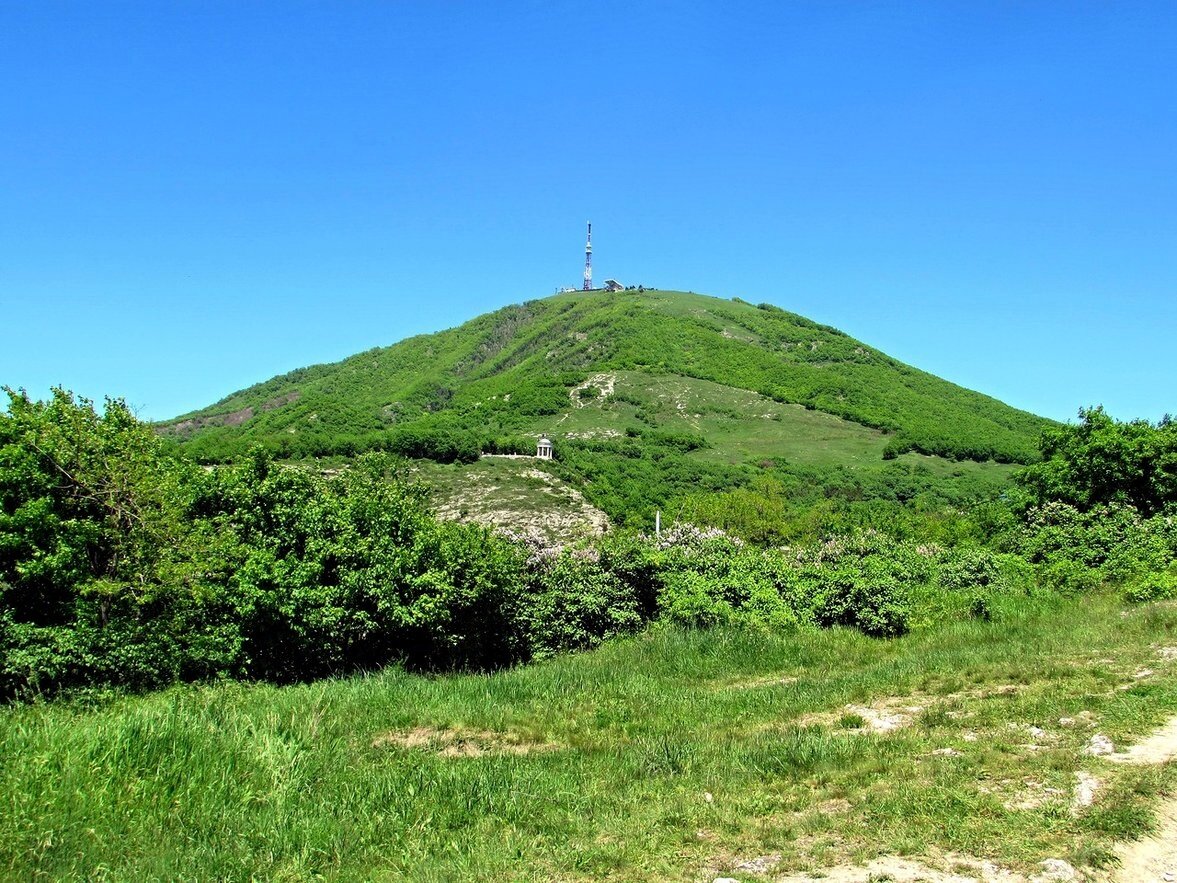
pixel 236 782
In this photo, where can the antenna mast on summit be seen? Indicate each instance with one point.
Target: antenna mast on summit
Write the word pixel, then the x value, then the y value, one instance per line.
pixel 588 259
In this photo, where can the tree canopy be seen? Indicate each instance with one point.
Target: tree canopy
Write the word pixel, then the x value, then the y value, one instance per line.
pixel 1101 460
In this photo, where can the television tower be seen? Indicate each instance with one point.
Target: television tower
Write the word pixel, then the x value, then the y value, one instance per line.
pixel 588 259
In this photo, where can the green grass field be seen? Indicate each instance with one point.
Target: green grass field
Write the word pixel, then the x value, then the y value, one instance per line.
pixel 741 426
pixel 672 755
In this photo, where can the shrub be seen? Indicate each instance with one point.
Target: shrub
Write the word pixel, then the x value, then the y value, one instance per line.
pixel 695 600
pixel 1152 587
pixel 1101 461
pixel 978 569
pixel 1069 576
pixel 871 600
pixel 573 604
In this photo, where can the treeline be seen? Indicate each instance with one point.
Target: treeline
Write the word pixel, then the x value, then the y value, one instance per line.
pixel 1103 461
pixel 442 440
pixel 791 504
pixel 124 565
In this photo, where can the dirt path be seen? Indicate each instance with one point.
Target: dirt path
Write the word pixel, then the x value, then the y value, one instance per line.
pixel 1155 856
pixel 1157 748
pixel 1152 859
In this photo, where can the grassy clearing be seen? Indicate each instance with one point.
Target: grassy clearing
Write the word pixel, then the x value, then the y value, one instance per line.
pixel 668 756
pixel 740 425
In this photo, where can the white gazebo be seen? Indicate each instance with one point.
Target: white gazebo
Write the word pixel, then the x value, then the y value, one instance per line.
pixel 543 450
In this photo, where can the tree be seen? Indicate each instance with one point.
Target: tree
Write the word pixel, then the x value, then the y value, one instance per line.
pixel 1101 460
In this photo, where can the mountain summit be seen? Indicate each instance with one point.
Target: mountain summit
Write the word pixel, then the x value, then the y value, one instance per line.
pixel 597 364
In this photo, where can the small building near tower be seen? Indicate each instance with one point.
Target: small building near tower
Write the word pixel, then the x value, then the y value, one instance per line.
pixel 543 450
pixel 613 285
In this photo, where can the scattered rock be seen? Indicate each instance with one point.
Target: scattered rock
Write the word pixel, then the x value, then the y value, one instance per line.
pixel 1085 787
pixel 1055 870
pixel 604 384
pixel 1082 719
pixel 1099 746
pixel 965 869
pixel 947 752
pixel 1143 673
pixel 760 864
pixel 459 742
pixel 1167 653
pixel 882 717
pixel 726 880
pixel 708 797
pixel 483 497
pixel 1037 732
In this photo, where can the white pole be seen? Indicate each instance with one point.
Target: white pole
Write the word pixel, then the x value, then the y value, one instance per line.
pixel 658 523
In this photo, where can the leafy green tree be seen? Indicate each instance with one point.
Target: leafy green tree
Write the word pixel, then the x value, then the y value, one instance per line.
pixel 1100 460
pixel 97 550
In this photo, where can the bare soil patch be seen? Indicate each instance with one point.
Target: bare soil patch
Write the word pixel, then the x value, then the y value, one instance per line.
pixel 557 511
pixel 757 683
pixel 1152 858
pixel 949 868
pixel 1033 795
pixel 460 742
pixel 1160 747
pixel 1155 856
pixel 885 716
pixel 888 714
pixel 604 383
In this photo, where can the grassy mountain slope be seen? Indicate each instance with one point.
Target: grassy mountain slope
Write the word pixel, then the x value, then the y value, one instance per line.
pixel 506 374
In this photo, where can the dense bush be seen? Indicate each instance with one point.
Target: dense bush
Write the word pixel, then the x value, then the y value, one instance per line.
pixel 1100 461
pixel 701 578
pixel 798 505
pixel 1152 586
pixel 120 564
pixel 1108 543
pixel 123 564
pixel 573 603
pixel 104 573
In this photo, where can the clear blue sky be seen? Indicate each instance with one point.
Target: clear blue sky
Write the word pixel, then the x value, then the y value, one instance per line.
pixel 197 196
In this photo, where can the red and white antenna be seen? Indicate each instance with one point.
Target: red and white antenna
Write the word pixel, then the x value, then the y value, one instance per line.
pixel 588 259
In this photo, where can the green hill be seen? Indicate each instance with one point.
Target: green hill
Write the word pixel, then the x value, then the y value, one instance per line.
pixel 693 388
